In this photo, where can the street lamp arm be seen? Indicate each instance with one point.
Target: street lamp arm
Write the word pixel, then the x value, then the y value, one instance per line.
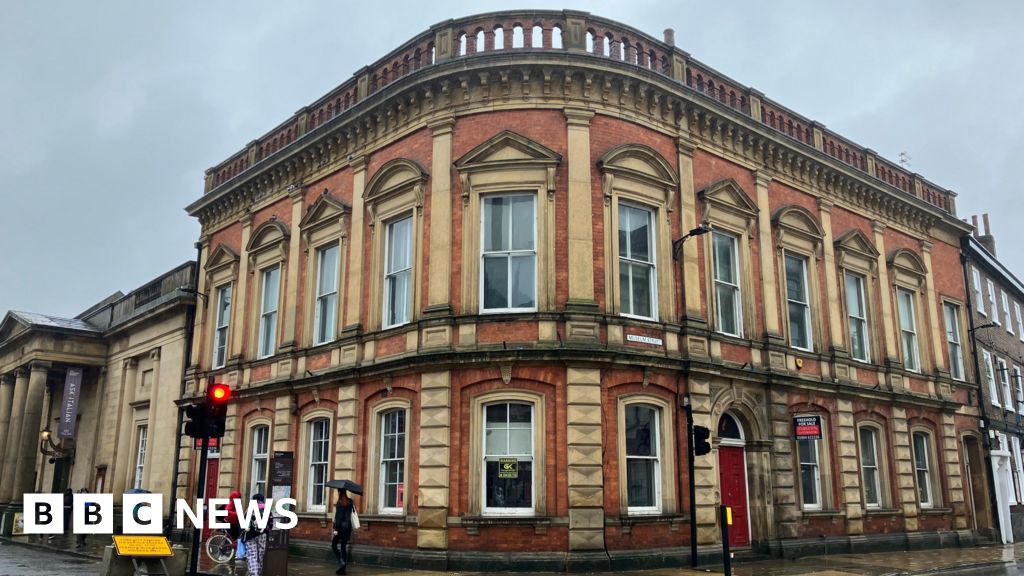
pixel 677 244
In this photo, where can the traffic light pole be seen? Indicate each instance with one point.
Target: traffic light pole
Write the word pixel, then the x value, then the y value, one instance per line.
pixel 693 484
pixel 197 533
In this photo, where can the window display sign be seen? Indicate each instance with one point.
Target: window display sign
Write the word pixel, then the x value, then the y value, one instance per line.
pixel 807 427
pixel 508 468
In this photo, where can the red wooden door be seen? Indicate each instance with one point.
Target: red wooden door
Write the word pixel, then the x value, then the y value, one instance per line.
pixel 733 481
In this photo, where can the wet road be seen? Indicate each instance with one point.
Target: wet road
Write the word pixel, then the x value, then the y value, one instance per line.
pixel 21 561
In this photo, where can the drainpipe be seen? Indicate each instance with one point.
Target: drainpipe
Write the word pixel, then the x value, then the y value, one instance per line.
pixel 986 443
pixel 190 322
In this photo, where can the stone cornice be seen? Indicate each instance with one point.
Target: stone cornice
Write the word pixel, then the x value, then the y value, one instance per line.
pixel 537 80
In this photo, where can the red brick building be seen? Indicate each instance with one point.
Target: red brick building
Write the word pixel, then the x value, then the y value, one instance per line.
pixel 462 279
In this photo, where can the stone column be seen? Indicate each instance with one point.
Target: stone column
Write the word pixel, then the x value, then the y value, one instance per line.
pixel 835 319
pixel 769 290
pixel 439 280
pixel 291 289
pixel 6 400
pixel 936 323
pixel 849 468
pixel 14 435
pixel 586 471
pixel 581 217
pixel 435 444
pixel 153 422
pixel 906 493
pixel 240 299
pixel 688 214
pixel 884 293
pixel 122 444
pixel 354 293
pixel 282 423
pixel 29 441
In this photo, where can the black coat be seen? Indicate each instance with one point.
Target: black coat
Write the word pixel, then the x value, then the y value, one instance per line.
pixel 343 517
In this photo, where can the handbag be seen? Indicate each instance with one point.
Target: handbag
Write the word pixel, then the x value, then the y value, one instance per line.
pixel 240 549
pixel 355 519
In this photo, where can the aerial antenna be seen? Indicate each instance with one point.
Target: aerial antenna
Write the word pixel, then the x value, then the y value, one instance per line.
pixel 904 159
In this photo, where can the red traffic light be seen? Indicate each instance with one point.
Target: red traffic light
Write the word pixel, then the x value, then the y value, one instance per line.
pixel 219 393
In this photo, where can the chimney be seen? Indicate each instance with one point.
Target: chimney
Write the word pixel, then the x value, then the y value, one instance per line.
pixel 670 37
pixel 987 239
pixel 974 224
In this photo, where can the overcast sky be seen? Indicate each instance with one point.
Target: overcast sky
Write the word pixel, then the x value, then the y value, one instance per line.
pixel 111 111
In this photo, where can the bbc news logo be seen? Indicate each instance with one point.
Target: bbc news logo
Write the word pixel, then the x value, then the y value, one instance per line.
pixel 143 513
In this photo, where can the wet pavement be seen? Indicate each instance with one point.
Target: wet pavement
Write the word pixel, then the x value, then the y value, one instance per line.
pixel 59 557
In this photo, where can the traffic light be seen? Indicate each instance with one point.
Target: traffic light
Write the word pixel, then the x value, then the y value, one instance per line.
pixel 701 435
pixel 196 425
pixel 217 397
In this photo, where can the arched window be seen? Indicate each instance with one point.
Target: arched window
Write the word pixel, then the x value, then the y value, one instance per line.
pixel 259 459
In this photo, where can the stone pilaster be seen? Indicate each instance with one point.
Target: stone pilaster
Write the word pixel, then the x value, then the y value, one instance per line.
pixel 769 291
pixel 29 441
pixel 835 319
pixel 936 322
pixel 906 494
pixel 705 469
pixel 155 424
pixel 439 279
pixel 586 472
pixel 435 444
pixel 784 490
pixel 282 423
pixel 952 471
pixel 291 292
pixel 688 221
pixel 885 293
pixel 227 471
pixel 849 468
pixel 345 431
pixel 354 297
pixel 580 196
pixel 122 443
pixel 199 337
pixel 10 463
pixel 236 342
pixel 6 402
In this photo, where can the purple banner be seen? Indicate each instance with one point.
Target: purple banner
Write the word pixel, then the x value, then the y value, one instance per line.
pixel 69 407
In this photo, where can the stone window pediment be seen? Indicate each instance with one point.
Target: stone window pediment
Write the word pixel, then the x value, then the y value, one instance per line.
pixel 854 249
pixel 795 225
pixel 641 164
pixel 325 211
pixel 269 236
pixel 907 268
pixel 508 151
pixel 726 201
pixel 222 258
pixel 396 177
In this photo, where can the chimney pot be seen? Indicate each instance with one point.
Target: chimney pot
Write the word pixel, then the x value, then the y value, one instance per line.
pixel 984 217
pixel 670 37
pixel 974 223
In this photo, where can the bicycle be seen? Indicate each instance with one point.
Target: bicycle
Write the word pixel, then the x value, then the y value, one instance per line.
pixel 220 546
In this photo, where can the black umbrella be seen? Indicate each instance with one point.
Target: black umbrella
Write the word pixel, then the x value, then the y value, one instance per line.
pixel 347 485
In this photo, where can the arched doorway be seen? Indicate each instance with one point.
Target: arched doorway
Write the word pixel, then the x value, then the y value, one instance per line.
pixel 732 477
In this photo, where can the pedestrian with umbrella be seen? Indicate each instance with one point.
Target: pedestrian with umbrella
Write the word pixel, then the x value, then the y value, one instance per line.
pixel 345 520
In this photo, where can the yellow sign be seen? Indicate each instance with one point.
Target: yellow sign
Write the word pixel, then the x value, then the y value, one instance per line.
pixel 143 546
pixel 508 468
pixel 728 515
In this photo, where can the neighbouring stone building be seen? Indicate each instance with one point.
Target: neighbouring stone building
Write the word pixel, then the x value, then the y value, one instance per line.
pixel 998 348
pixel 130 352
pixel 463 279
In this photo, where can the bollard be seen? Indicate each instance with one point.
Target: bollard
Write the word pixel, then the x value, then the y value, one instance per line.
pixel 725 519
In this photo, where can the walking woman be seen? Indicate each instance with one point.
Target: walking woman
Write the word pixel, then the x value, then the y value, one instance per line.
pixel 256 541
pixel 344 510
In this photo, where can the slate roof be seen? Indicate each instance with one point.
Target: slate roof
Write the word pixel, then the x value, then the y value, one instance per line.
pixel 33 319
